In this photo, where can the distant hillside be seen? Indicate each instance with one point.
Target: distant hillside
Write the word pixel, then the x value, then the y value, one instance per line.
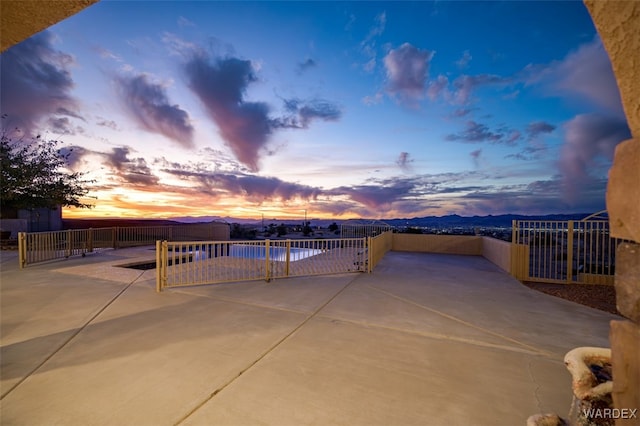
pixel 444 222
pixel 108 223
pixel 502 221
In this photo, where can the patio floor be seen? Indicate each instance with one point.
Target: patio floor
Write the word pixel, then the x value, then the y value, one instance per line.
pixel 426 339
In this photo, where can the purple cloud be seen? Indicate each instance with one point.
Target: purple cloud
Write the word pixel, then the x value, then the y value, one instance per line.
pixel 513 138
pixel 368 45
pixel 538 197
pixel 36 83
pixel 150 107
pixel 61 126
pixel 589 138
pixel 378 194
pixel 221 86
pixel 463 62
pixel 476 133
pixel 438 87
pixel 404 161
pixel 133 171
pixel 461 112
pixel 475 156
pixel 254 188
pixel 529 153
pixel 302 113
pixel 466 84
pixel 585 73
pixel 306 65
pixel 128 171
pixel 407 72
pixel 460 91
pixel 246 127
pixel 536 128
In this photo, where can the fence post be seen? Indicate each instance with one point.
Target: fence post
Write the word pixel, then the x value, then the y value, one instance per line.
pixel 519 254
pixel 114 237
pixel 69 243
pixel 286 272
pixel 570 251
pixel 90 241
pixel 162 249
pixel 369 253
pixel 267 277
pixel 22 249
pixel 158 265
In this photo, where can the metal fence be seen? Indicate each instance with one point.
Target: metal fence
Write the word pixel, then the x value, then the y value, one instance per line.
pixel 196 263
pixel 359 229
pixel 565 251
pixel 34 247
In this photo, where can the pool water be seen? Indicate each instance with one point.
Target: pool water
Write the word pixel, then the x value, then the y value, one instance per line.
pixel 275 253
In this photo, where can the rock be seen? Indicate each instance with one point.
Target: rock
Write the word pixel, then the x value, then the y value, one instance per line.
pixel 546 420
pixel 627 280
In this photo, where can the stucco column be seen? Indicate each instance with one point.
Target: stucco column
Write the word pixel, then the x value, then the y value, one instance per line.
pixel 618 23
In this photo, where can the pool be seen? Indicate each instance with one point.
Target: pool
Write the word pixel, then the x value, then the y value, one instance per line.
pixel 275 253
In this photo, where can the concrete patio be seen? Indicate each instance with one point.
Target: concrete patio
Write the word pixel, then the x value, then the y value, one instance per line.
pixel 427 339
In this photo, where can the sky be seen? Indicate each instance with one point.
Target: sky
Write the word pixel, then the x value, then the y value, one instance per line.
pixel 326 109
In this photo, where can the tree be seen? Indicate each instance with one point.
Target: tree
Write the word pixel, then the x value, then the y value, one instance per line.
pixel 35 175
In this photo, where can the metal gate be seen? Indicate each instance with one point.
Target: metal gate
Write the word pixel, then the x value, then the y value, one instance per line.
pixel 566 251
pixel 210 262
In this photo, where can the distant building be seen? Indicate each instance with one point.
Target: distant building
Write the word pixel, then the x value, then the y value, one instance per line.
pixel 33 220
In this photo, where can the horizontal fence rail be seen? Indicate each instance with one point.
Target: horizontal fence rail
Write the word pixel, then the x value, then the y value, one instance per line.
pixel 566 251
pixel 35 247
pixel 210 262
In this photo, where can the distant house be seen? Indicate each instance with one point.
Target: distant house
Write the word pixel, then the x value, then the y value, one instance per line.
pixel 42 219
pixel 32 220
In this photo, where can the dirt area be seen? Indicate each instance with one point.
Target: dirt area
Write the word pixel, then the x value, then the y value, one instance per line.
pixel 602 297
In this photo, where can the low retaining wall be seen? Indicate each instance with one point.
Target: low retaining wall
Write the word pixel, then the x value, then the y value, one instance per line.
pixel 496 251
pixel 446 244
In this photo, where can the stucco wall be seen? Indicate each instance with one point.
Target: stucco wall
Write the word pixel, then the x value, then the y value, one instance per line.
pixel 21 19
pixel 448 244
pixel 497 252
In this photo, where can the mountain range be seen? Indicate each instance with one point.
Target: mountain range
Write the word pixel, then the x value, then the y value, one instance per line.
pixel 449 221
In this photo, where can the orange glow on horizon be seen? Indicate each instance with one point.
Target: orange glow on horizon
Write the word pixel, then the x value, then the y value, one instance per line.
pixel 169 206
pixel 115 213
pixel 144 204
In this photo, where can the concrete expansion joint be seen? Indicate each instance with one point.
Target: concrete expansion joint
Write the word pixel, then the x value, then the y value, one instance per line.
pixel 73 336
pixel 265 353
pixel 536 388
pixel 239 302
pixel 525 346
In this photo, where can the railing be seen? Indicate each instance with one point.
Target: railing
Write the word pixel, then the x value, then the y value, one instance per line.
pixel 359 230
pixel 566 251
pixel 378 247
pixel 195 263
pixel 34 247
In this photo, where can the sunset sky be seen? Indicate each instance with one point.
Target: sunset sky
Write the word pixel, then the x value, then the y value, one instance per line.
pixel 343 109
